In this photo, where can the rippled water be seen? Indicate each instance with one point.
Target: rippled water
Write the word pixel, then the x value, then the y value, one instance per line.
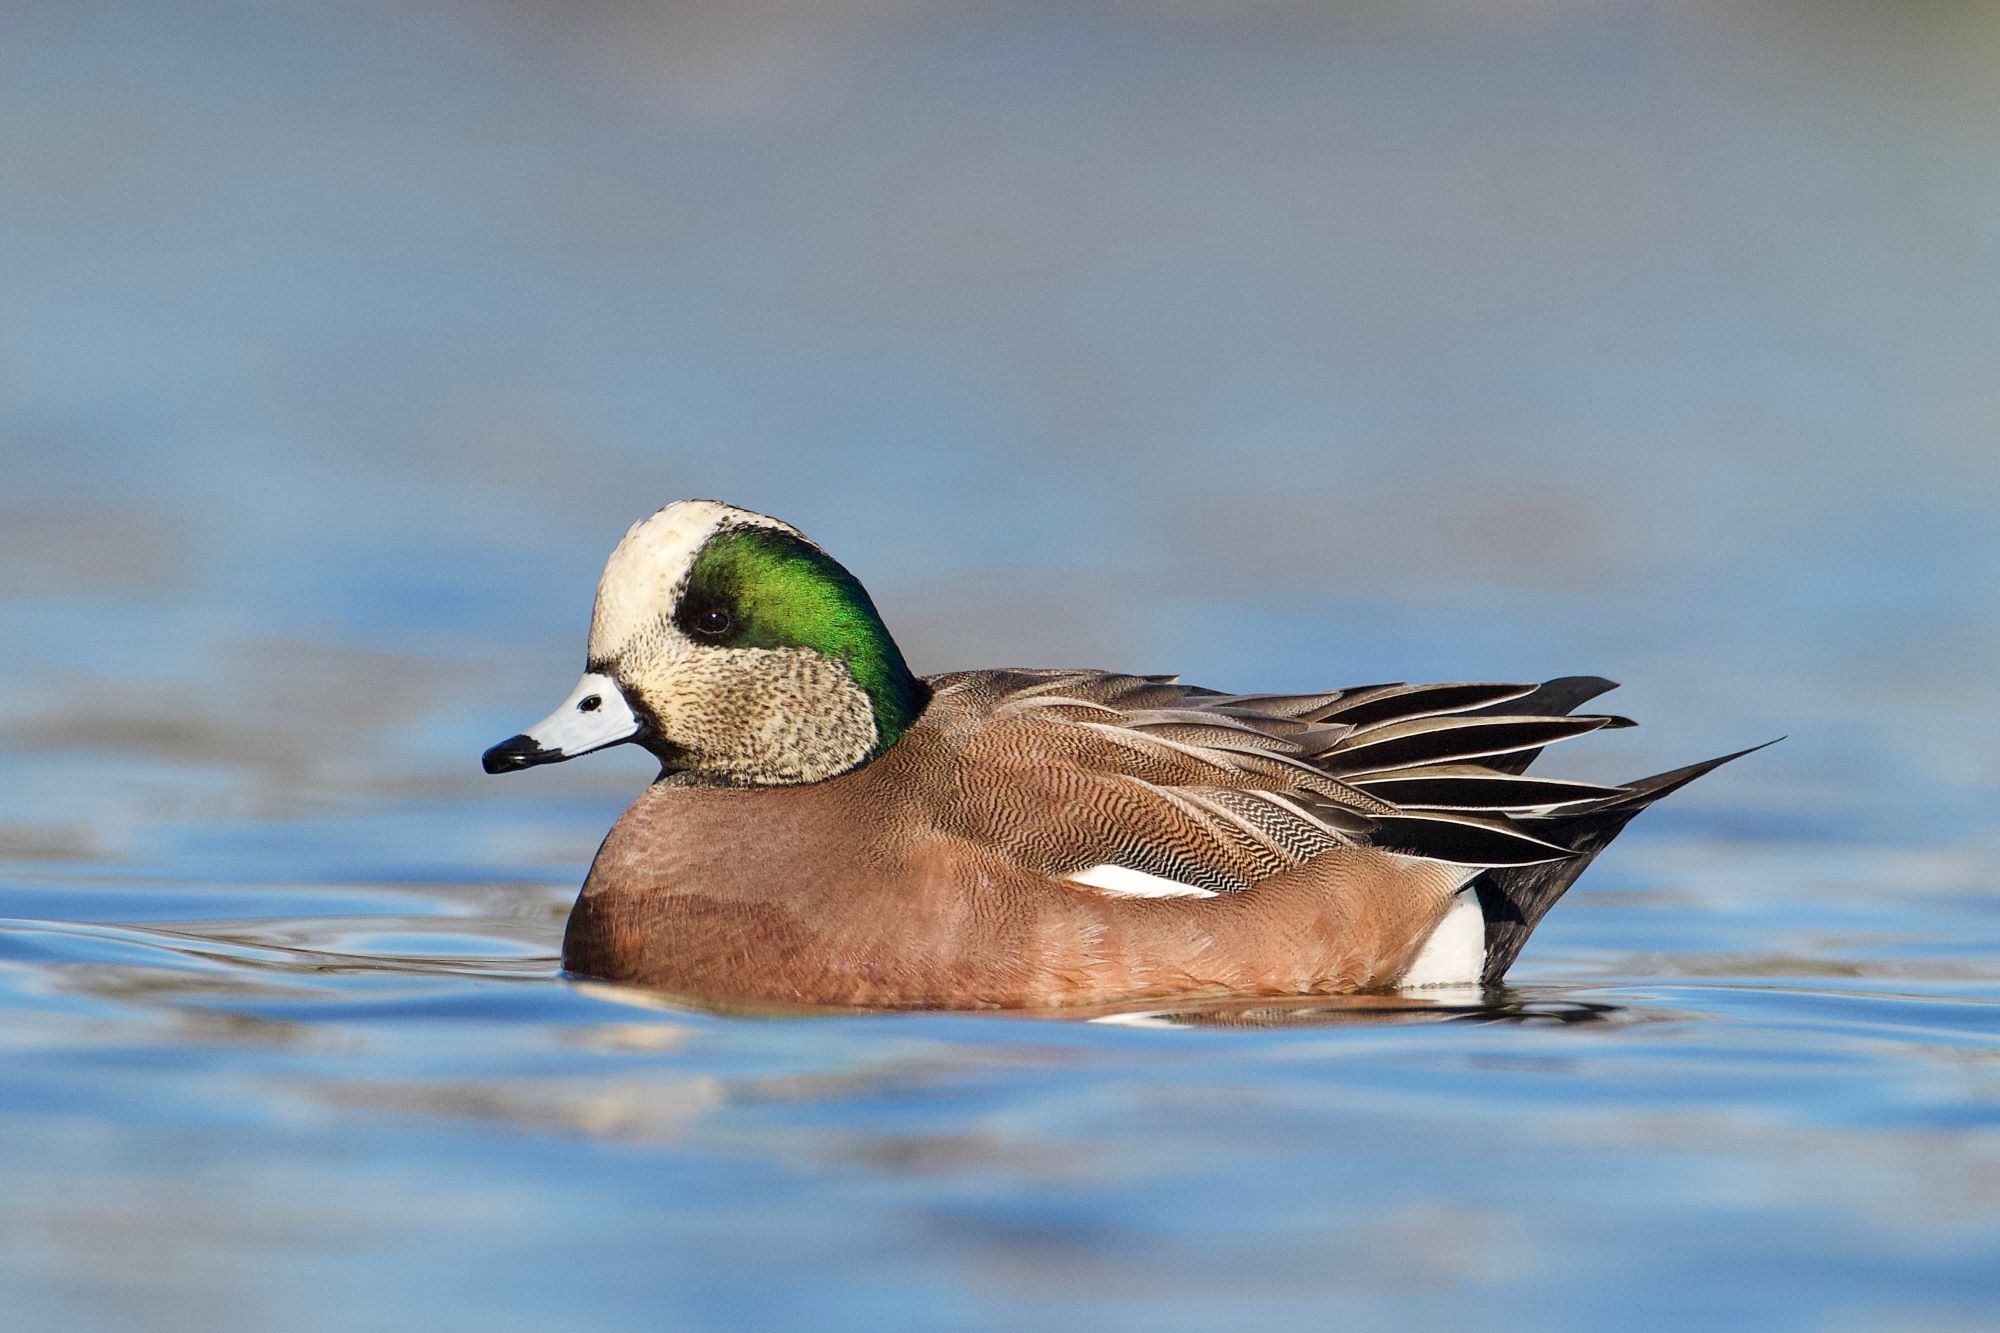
pixel 335 1104
pixel 1286 348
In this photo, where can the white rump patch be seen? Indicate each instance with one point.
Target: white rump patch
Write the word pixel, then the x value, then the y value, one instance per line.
pixel 1455 954
pixel 1129 883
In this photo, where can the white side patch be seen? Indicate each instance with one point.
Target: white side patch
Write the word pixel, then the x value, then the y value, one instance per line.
pixel 1138 1020
pixel 1455 954
pixel 1130 883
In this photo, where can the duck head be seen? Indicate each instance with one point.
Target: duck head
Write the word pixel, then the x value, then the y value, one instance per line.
pixel 736 651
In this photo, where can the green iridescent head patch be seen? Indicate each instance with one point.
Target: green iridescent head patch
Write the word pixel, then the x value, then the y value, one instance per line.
pixel 761 588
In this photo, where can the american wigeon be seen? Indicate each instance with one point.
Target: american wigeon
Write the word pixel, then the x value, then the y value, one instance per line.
pixel 828 828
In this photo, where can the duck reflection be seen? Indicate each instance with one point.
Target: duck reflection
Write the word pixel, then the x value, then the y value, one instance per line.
pixel 1462 1004
pixel 1499 1004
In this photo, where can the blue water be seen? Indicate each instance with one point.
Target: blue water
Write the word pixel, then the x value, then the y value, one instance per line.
pixel 1284 346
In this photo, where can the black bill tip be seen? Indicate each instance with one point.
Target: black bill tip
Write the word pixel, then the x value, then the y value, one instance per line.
pixel 518 752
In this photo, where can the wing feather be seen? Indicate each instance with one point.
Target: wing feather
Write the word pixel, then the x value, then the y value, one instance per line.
pixel 1389 703
pixel 1219 791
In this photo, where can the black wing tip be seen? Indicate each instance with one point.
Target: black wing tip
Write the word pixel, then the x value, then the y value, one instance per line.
pixel 1483 840
pixel 1556 698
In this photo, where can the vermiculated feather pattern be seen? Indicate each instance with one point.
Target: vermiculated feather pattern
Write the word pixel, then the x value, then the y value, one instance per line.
pixel 1235 788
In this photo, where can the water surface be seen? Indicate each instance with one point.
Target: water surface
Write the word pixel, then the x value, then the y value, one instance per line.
pixel 1286 347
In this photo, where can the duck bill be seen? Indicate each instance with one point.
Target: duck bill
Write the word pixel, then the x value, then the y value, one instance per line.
pixel 595 715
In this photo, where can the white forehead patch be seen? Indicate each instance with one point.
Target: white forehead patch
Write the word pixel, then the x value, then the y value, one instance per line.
pixel 645 572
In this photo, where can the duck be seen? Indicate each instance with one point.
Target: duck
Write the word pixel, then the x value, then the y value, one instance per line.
pixel 830 829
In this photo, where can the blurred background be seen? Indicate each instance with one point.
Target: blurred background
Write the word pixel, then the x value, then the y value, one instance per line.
pixel 1283 345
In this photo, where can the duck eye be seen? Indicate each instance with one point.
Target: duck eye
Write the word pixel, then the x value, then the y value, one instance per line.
pixel 590 703
pixel 713 622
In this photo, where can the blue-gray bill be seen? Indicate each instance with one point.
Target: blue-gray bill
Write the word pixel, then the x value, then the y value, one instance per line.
pixel 596 715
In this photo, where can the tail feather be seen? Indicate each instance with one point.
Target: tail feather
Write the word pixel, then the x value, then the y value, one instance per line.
pixel 1514 899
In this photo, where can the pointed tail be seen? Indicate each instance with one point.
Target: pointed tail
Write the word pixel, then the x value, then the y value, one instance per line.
pixel 1514 899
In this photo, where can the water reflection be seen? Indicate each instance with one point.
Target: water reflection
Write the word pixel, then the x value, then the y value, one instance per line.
pixel 1455 1004
pixel 1469 1005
